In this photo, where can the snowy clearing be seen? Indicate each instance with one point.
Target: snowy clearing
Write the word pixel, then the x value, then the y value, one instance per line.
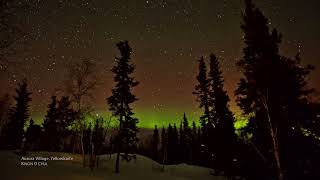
pixel 142 168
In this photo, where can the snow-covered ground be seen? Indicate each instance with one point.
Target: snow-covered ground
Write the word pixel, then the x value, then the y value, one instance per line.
pixel 142 168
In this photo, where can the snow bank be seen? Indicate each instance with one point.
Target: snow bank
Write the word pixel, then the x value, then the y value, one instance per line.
pixel 142 168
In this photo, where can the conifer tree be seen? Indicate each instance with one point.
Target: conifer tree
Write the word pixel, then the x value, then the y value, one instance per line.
pixel 33 135
pixel 202 92
pixel 121 99
pixel 194 129
pixel 163 146
pixel 185 123
pixel 224 133
pixel 170 144
pixel 202 96
pixel 175 144
pixel 185 139
pixel 188 134
pixel 59 117
pixel 155 143
pixel 50 126
pixel 18 116
pixel 66 116
pixel 273 90
pixel 194 143
pixel 181 143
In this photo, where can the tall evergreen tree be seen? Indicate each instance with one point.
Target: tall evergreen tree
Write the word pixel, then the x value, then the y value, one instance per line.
pixel 121 99
pixel 170 144
pixel 194 144
pixel 182 143
pixel 273 89
pixel 33 135
pixel 155 143
pixel 185 123
pixel 185 139
pixel 163 148
pixel 202 92
pixel 59 117
pixel 50 126
pixel 202 96
pixel 18 116
pixel 224 139
pixel 194 130
pixel 175 144
pixel 66 116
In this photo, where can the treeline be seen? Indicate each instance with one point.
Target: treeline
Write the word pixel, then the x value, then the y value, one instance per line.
pixel 57 133
pixel 174 145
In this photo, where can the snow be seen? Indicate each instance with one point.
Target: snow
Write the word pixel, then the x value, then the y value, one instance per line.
pixel 142 168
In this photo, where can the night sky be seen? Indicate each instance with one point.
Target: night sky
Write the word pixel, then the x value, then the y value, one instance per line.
pixel 167 38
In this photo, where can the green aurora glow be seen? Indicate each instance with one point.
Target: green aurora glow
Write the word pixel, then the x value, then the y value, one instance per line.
pixel 148 118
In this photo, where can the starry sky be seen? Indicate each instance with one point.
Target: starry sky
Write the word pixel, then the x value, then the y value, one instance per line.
pixel 167 38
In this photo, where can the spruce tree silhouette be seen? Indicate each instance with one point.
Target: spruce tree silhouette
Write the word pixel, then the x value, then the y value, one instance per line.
pixel 273 89
pixel 18 116
pixel 182 142
pixel 170 145
pixel 59 117
pixel 175 144
pixel 185 140
pixel 155 144
pixel 33 135
pixel 202 96
pixel 120 100
pixel 202 92
pixel 163 148
pixel 66 116
pixel 224 134
pixel 50 126
pixel 194 144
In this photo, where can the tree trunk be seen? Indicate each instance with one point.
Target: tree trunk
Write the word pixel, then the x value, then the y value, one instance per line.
pixel 117 162
pixel 82 148
pixel 275 142
pixel 119 144
pixel 277 157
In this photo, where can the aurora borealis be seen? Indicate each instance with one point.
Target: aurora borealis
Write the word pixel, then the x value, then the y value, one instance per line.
pixel 167 37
